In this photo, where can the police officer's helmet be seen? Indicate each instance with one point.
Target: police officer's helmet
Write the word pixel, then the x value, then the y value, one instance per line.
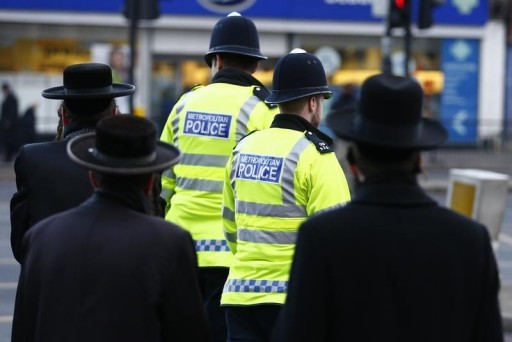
pixel 298 74
pixel 234 34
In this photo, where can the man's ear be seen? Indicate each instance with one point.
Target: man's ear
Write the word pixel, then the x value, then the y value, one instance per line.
pixel 64 115
pixel 219 61
pixel 352 163
pixel 418 164
pixel 148 187
pixel 93 179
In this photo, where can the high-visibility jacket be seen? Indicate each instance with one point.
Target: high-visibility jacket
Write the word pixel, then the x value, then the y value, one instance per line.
pixel 205 125
pixel 274 180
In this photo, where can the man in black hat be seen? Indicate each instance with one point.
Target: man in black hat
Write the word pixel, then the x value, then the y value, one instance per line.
pixel 47 181
pixel 106 270
pixel 392 265
pixel 275 179
pixel 206 123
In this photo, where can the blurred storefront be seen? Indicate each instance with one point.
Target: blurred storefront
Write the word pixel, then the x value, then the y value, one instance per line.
pixel 460 61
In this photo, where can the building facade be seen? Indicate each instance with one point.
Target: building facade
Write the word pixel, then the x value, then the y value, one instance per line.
pixel 460 61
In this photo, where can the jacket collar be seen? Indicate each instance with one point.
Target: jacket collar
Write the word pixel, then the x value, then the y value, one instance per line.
pixel 298 123
pixel 393 189
pixel 236 77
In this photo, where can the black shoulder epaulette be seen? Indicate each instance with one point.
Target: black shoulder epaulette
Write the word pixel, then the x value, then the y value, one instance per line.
pixel 245 136
pixel 194 87
pixel 262 94
pixel 321 146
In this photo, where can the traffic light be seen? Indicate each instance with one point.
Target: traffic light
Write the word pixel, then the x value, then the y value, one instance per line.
pixel 141 9
pixel 399 13
pixel 425 17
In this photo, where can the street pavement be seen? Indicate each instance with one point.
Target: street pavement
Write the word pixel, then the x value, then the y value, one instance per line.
pixel 435 180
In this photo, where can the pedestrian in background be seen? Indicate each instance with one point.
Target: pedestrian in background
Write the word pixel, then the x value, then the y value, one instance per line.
pixel 8 122
pixel 106 270
pixel 392 265
pixel 205 124
pixel 275 179
pixel 47 181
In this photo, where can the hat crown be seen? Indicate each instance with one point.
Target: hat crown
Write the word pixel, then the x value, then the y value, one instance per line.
pixel 236 32
pixel 88 76
pixel 125 137
pixel 391 100
pixel 298 71
pixel 298 74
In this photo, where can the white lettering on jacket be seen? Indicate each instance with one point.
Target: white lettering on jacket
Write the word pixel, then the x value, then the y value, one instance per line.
pixel 207 124
pixel 259 168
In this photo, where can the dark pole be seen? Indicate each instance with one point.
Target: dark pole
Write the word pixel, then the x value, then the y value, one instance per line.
pixel 386 44
pixel 133 39
pixel 407 49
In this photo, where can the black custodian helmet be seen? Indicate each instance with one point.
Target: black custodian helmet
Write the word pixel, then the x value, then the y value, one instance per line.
pixel 234 34
pixel 298 74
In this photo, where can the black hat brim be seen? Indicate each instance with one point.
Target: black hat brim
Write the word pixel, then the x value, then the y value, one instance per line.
pixel 116 90
pixel 277 97
pixel 431 135
pixel 81 150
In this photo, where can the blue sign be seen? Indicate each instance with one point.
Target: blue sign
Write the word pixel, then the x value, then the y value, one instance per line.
pixel 452 12
pixel 207 125
pixel 459 107
pixel 259 168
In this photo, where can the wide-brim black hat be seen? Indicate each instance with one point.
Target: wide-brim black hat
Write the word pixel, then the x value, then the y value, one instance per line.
pixel 124 145
pixel 88 80
pixel 389 115
pixel 298 74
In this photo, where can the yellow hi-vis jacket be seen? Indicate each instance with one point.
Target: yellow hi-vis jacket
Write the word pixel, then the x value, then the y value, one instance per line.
pixel 274 180
pixel 205 125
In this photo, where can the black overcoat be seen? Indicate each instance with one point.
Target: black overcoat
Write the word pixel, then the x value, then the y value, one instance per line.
pixel 105 272
pixel 392 265
pixel 47 182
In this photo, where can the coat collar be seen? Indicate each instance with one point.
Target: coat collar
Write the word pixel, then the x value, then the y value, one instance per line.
pixel 236 77
pixel 392 189
pixel 298 123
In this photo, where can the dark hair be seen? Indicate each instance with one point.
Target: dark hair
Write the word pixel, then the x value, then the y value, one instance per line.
pixel 242 62
pixel 375 159
pixel 121 182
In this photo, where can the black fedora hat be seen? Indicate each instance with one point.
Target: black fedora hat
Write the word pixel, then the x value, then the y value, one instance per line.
pixel 298 74
pixel 124 145
pixel 88 80
pixel 389 115
pixel 234 34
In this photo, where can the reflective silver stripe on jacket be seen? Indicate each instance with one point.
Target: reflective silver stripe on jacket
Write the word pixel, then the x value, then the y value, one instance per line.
pixel 262 286
pixel 271 210
pixel 211 246
pixel 244 115
pixel 203 160
pixel 199 184
pixel 231 237
pixel 228 214
pixel 267 236
pixel 290 165
pixel 167 193
pixel 176 121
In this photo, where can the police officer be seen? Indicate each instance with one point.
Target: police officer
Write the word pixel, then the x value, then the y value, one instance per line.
pixel 206 123
pixel 275 179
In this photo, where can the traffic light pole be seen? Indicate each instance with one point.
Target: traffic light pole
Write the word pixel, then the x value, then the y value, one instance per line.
pixel 407 49
pixel 133 40
pixel 386 49
pixel 399 16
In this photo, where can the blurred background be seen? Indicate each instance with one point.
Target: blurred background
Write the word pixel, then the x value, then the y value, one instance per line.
pixel 463 60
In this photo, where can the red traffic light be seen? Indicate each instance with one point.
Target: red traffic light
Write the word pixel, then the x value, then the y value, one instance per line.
pixel 400 4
